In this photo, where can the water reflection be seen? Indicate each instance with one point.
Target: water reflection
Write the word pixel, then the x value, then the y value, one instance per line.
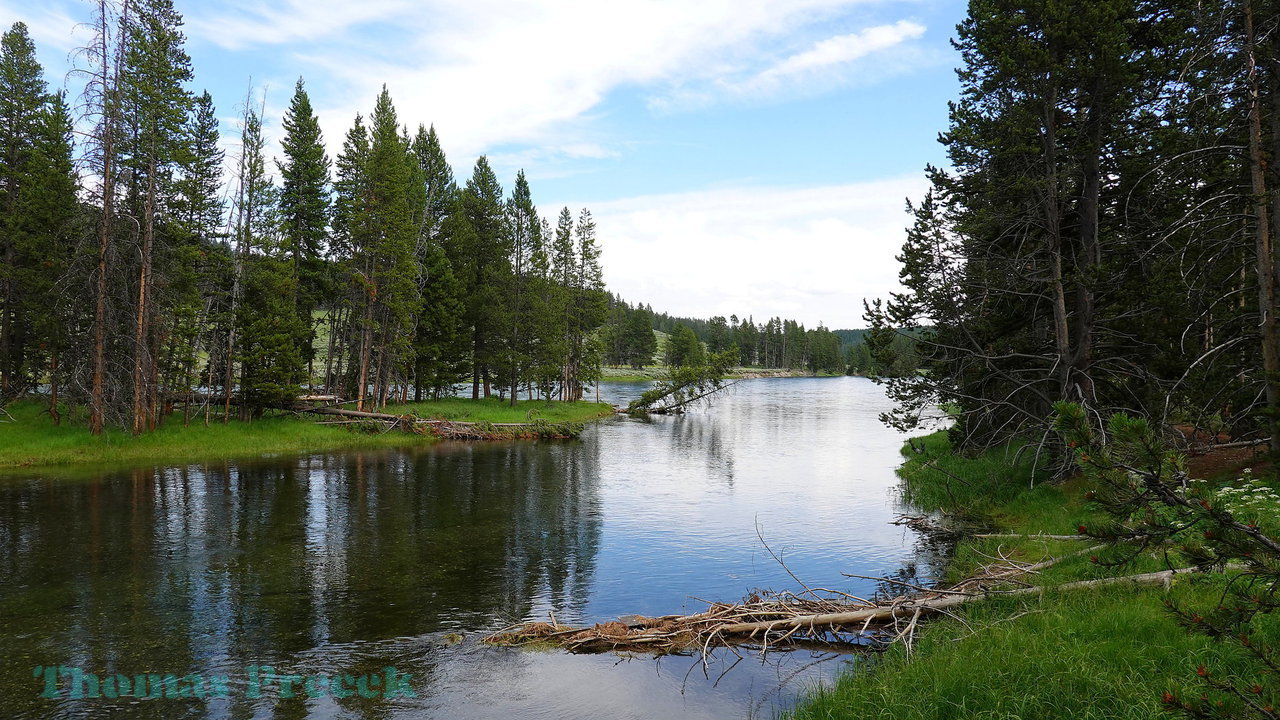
pixel 352 563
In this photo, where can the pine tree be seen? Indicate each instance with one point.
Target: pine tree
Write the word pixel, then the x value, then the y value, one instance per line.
pixel 546 311
pixel 105 53
pixel 438 177
pixel 1028 232
pixel 350 236
pixel 640 342
pixel 482 246
pixel 377 198
pixel 526 241
pixel 589 305
pixel 22 97
pixel 155 107
pixel 260 320
pixel 271 352
pixel 683 348
pixel 564 273
pixel 198 204
pixel 44 227
pixel 304 208
pixel 438 339
pixel 198 215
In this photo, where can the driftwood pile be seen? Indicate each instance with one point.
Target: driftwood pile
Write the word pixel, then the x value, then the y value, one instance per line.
pixel 815 617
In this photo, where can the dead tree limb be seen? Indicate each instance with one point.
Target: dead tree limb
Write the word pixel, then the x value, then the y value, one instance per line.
pixel 778 620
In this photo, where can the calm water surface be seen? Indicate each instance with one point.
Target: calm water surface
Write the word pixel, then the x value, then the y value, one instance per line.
pixel 348 563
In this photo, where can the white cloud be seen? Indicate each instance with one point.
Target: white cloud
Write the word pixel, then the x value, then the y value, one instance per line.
pixel 841 50
pixel 812 254
pixel 245 24
pixel 487 72
pixel 50 26
pixel 861 57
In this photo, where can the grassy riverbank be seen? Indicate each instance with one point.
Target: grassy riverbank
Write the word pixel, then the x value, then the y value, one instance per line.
pixel 1107 652
pixel 502 411
pixel 31 440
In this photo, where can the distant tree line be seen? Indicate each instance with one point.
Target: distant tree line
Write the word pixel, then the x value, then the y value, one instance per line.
pixel 135 275
pixel 776 343
pixel 1106 231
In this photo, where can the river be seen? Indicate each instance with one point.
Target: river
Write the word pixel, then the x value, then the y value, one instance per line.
pixel 337 564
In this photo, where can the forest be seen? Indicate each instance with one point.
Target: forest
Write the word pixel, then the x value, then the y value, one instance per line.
pixel 136 275
pixel 628 339
pixel 1091 286
pixel 1104 232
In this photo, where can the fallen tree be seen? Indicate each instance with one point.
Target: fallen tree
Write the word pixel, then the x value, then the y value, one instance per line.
pixel 817 615
pixel 684 385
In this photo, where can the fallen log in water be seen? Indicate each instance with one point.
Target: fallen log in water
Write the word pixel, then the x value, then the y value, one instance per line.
pixel 779 620
pixel 909 608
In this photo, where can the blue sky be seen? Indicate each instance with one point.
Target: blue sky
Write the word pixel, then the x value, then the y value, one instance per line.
pixel 748 157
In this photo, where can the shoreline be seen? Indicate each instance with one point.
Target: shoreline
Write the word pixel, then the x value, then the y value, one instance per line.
pixel 1115 650
pixel 31 442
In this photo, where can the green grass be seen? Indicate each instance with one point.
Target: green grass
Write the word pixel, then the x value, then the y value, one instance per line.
pixel 1108 652
pixel 1104 653
pixel 501 411
pixel 31 439
pixel 630 374
pixel 1002 487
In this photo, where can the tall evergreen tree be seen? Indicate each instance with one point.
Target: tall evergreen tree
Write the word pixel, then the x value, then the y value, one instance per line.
pixel 198 205
pixel 482 244
pixel 439 347
pixel 384 239
pixel 350 235
pixel 23 95
pixel 525 231
pixel 155 106
pixel 1020 254
pixel 201 270
pixel 273 336
pixel 44 227
pixel 683 348
pixel 564 273
pixel 259 342
pixel 304 208
pixel 589 302
pixel 548 351
pixel 640 342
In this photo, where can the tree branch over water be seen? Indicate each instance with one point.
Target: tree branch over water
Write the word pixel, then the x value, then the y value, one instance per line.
pixel 685 385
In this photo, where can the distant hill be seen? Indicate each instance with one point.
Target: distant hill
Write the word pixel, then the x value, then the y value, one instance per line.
pixel 849 338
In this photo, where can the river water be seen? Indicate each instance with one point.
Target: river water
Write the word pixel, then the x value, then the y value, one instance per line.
pixel 340 564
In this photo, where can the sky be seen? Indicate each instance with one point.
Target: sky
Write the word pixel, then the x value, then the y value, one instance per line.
pixel 750 157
